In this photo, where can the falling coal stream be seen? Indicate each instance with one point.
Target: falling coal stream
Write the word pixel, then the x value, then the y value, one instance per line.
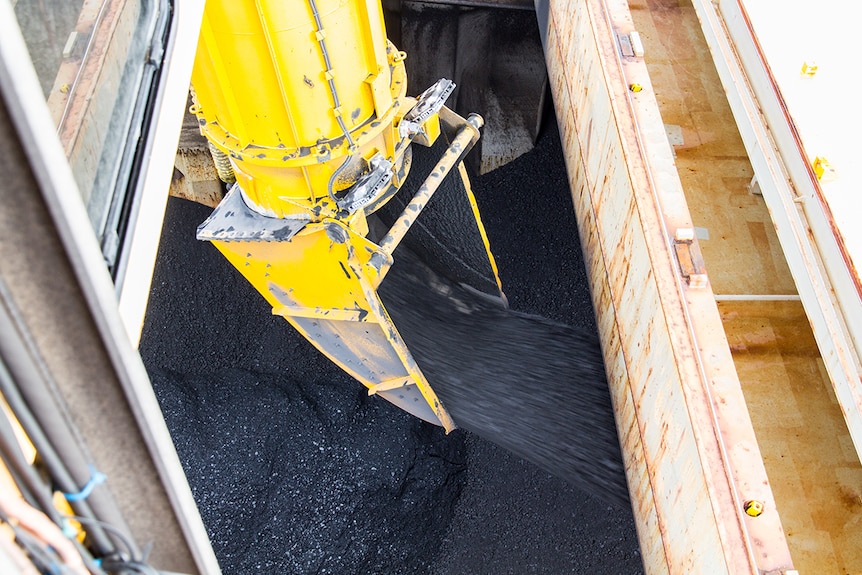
pixel 529 384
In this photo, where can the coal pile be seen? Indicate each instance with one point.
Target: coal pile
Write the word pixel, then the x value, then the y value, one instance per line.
pixel 310 476
pixel 297 470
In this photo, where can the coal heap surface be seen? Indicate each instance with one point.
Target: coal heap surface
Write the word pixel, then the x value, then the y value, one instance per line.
pixel 297 470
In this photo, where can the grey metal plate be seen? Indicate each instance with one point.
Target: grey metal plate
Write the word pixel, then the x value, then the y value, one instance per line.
pixel 233 220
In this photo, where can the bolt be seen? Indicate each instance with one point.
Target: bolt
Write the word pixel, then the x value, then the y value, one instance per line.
pixel 809 68
pixel 476 120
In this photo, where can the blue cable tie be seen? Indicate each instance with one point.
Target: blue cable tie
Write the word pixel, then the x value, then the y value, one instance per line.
pixel 96 478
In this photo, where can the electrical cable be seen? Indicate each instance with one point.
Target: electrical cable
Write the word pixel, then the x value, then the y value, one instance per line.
pixel 127 542
pixel 19 482
pixel 335 100
pixel 30 482
pixel 55 465
pixel 89 561
pixel 330 80
pixel 135 566
pixel 53 462
pixel 335 175
pixel 48 547
pixel 38 553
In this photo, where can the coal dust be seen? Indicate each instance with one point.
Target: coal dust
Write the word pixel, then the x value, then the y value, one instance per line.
pixel 533 385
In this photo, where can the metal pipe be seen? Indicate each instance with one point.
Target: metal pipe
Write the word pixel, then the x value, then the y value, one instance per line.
pixel 460 146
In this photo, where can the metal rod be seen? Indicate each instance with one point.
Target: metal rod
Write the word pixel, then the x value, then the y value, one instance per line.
pixel 756 297
pixel 460 146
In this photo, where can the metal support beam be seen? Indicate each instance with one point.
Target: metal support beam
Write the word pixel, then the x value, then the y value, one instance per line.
pixel 692 460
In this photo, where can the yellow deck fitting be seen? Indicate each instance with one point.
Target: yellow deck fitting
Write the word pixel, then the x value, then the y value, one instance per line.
pixel 809 68
pixel 824 170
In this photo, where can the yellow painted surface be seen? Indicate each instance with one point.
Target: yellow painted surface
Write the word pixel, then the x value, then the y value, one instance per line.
pixel 323 273
pixel 260 72
pixel 311 268
pixel 265 95
pixel 301 100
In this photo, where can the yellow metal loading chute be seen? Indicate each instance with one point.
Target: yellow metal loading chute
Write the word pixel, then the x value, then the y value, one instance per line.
pixel 307 99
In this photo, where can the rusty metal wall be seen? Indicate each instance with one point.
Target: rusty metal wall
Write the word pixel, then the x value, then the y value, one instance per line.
pixel 690 453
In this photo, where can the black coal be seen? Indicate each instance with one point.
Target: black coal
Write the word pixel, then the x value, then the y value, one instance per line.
pixel 297 470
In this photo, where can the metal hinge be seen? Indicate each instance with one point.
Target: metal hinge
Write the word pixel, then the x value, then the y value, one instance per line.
pixel 631 45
